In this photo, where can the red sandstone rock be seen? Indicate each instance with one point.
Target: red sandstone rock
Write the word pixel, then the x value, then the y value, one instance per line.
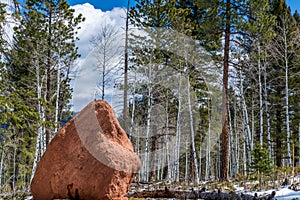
pixel 90 158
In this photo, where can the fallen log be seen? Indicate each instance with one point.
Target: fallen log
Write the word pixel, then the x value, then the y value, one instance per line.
pixel 200 194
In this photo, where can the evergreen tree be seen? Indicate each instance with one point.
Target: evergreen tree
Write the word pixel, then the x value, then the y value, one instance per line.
pixel 261 163
pixel 285 51
pixel 43 55
pixel 38 68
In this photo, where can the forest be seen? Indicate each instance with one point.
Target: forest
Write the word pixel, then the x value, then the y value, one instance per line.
pixel 209 87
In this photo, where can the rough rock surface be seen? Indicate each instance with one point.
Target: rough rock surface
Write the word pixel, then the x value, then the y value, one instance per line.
pixel 90 158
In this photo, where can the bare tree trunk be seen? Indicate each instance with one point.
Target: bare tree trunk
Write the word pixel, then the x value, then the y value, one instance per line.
pixel 236 152
pixel 149 109
pixel 287 101
pixel 103 74
pixel 158 167
pixel 252 122
pixel 218 162
pixel 245 158
pixel 1 164
pixel 125 97
pixel 138 151
pixel 56 123
pixel 186 162
pixel 192 133
pixel 40 144
pixel 167 143
pixel 48 76
pixel 200 162
pixel 261 120
pixel 267 112
pixel 132 113
pixel 177 146
pixel 246 121
pixel 207 164
pixel 14 165
pixel 231 141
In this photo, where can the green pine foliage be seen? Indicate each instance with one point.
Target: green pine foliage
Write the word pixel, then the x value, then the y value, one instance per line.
pixel 42 54
pixel 261 161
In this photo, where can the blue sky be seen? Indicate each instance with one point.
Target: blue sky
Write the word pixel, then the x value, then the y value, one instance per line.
pixel 294 4
pixel 110 4
pixel 104 5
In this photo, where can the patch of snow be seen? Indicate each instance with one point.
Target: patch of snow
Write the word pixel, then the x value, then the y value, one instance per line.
pixel 287 194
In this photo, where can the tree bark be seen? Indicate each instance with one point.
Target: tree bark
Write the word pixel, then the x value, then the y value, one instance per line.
pixel 177 147
pixel 192 134
pixel 149 109
pixel 125 97
pixel 207 163
pixel 267 111
pixel 261 120
pixel 224 151
pixel 289 157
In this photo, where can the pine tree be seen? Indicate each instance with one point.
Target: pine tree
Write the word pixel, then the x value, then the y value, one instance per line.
pixel 39 67
pixel 45 46
pixel 285 51
pixel 242 21
pixel 261 163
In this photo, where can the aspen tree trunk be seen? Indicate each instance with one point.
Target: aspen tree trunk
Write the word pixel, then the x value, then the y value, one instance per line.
pixel 132 112
pixel 247 139
pixel 200 163
pixel 186 162
pixel 246 121
pixel 192 133
pixel 14 164
pixel 261 125
pixel 162 169
pixel 237 153
pixel 177 143
pixel 207 164
pixel 287 100
pixel 125 96
pixel 236 139
pixel 1 164
pixel 231 142
pixel 267 112
pixel 218 162
pixel 56 124
pixel 245 158
pixel 39 146
pixel 132 118
pixel 149 109
pixel 158 166
pixel 252 122
pixel 167 142
pixel 138 151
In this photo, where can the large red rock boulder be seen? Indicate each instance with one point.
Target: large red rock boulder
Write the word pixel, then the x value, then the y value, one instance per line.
pixel 90 158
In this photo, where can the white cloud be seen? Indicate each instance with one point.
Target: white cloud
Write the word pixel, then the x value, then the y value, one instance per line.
pixel 11 22
pixel 87 77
